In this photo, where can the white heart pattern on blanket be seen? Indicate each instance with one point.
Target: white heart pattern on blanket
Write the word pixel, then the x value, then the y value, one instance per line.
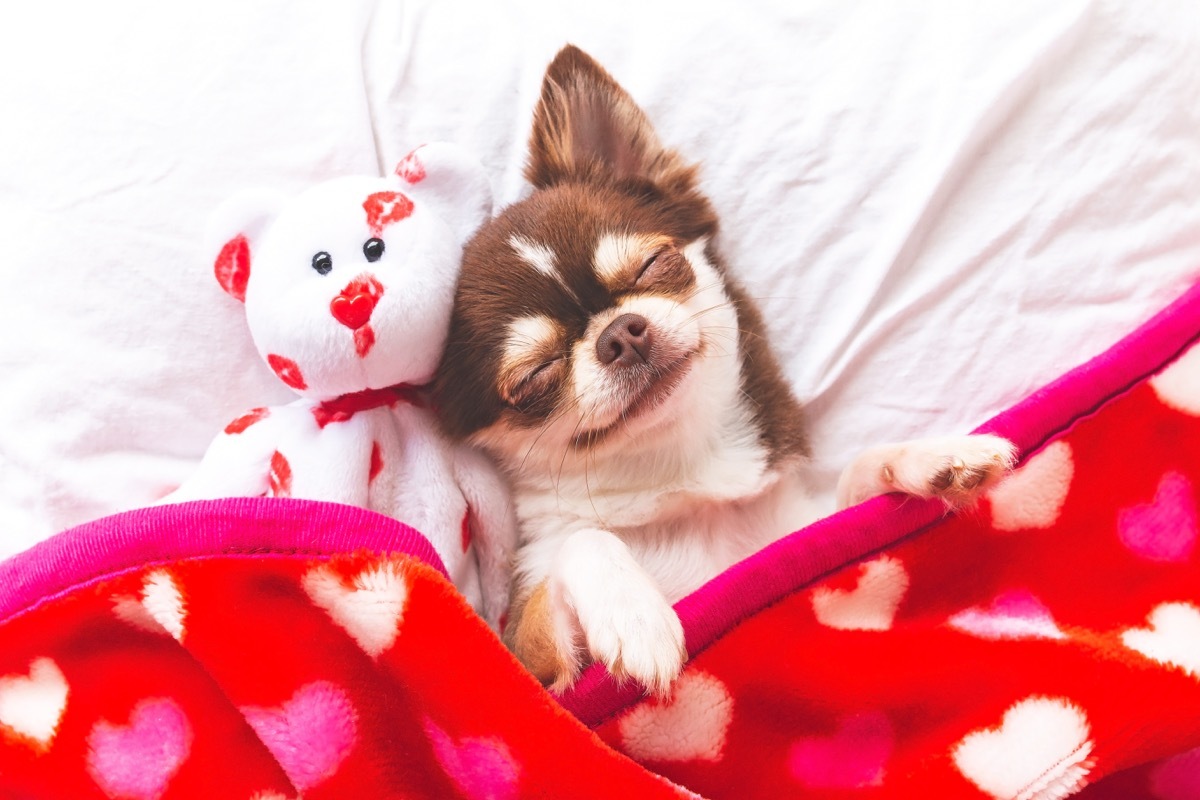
pixel 689 726
pixel 1172 638
pixel 32 705
pixel 1178 386
pixel 871 605
pixel 370 609
pixel 1039 751
pixel 1015 614
pixel 160 609
pixel 1034 495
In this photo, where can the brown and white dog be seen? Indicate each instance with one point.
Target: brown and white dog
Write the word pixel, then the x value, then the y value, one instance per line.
pixel 623 380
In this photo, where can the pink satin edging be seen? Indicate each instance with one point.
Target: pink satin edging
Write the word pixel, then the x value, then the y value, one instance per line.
pixel 803 557
pixel 161 534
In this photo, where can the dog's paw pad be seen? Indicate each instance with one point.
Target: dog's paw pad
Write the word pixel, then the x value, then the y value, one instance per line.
pixel 960 478
pixel 956 470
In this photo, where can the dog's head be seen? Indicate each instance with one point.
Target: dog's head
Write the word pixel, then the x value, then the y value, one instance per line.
pixel 594 314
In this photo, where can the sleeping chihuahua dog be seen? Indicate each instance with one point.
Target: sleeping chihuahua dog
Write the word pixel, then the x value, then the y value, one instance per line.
pixel 600 351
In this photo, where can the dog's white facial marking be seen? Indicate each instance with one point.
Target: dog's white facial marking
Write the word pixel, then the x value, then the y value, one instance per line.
pixel 694 253
pixel 538 256
pixel 605 395
pixel 529 350
pixel 617 255
pixel 526 337
pixel 591 385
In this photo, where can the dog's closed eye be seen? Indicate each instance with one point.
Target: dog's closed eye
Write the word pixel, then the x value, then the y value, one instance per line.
pixel 667 270
pixel 645 273
pixel 535 388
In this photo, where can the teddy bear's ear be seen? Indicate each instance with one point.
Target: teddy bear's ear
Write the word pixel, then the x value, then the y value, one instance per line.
pixel 452 181
pixel 234 232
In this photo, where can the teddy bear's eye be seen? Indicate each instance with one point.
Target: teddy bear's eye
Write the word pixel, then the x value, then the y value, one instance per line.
pixel 373 249
pixel 322 262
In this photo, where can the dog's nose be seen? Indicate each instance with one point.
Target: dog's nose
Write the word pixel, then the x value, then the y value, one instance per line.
pixel 626 341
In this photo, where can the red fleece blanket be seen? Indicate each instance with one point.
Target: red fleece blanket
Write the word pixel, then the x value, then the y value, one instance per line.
pixel 263 649
pixel 1044 645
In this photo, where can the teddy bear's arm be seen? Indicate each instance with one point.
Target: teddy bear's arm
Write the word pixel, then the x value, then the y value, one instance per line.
pixel 236 464
pixel 495 527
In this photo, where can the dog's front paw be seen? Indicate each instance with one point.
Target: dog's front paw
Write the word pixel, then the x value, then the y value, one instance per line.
pixel 956 469
pixel 637 635
pixel 598 596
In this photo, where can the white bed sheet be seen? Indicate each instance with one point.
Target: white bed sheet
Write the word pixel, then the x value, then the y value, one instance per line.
pixel 941 205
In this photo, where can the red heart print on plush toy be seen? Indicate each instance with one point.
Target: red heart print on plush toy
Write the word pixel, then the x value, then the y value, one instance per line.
pixel 354 311
pixel 384 208
pixel 354 306
pixel 232 267
pixel 288 371
pixel 410 168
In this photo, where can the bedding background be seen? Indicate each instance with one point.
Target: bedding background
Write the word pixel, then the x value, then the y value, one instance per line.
pixel 940 207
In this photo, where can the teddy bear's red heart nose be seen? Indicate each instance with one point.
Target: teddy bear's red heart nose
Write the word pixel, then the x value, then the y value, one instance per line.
pixel 354 310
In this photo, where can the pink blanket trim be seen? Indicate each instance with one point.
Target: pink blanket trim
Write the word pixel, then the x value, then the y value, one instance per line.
pixel 253 526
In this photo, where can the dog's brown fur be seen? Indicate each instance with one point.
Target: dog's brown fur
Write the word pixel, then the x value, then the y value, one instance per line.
pixel 615 528
pixel 528 634
pixel 594 159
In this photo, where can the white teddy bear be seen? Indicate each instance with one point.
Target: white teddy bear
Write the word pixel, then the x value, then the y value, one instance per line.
pixel 348 290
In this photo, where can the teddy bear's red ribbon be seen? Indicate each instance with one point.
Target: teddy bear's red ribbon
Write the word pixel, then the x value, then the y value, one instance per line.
pixel 342 408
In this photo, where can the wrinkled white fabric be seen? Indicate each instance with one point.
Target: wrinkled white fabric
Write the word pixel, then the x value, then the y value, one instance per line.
pixel 941 206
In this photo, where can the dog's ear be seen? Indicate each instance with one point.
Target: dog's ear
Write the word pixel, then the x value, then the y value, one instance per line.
pixel 587 128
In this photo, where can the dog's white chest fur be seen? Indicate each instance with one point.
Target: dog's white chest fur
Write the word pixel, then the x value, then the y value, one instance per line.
pixel 686 550
pixel 683 526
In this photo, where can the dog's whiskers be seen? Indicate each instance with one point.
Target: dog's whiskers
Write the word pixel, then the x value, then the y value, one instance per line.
pixel 545 427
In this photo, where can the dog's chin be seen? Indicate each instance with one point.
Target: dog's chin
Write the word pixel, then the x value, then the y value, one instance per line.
pixel 651 407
